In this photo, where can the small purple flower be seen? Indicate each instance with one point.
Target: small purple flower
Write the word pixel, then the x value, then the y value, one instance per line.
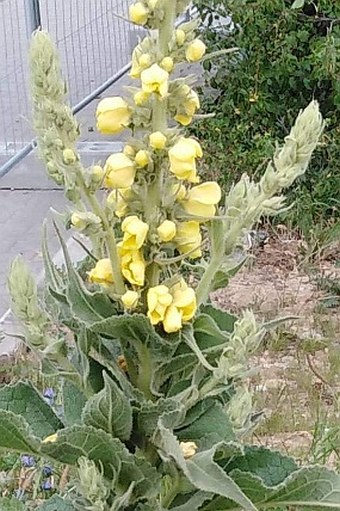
pixel 28 461
pixel 47 485
pixel 47 470
pixel 49 395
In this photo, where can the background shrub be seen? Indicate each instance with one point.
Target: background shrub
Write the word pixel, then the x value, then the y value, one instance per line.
pixel 287 56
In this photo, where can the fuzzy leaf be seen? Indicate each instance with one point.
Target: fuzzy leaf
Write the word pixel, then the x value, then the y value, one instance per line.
pixel 174 369
pixel 87 307
pixel 73 403
pixel 110 410
pixel 298 4
pixel 195 502
pixel 207 332
pixel 189 339
pixel 207 419
pixel 201 469
pixel 223 319
pixel 56 503
pixel 81 440
pixel 149 413
pixel 11 504
pixel 137 327
pixel 271 466
pixel 310 488
pixel 23 399
pixel 15 434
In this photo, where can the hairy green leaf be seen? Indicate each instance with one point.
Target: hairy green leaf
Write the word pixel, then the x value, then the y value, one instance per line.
pixel 56 503
pixel 201 470
pixel 73 403
pixel 110 410
pixel 223 319
pixel 15 434
pixel 24 400
pixel 86 306
pixel 207 333
pixel 149 414
pixel 11 504
pixel 206 420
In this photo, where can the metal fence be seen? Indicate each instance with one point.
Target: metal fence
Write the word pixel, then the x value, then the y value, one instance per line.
pixel 94 40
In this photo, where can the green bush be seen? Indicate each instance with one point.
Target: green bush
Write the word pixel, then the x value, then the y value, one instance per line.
pixel 286 57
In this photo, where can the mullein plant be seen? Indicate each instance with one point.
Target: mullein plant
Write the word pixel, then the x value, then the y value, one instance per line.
pixel 155 407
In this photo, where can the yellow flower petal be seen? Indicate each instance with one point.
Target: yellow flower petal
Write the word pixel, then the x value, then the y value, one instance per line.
pixel 195 51
pixel 155 79
pixel 113 115
pixel 120 171
pixel 167 230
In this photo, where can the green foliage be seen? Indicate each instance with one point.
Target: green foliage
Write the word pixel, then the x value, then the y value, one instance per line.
pixel 286 56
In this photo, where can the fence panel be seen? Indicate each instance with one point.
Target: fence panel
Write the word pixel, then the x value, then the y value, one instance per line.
pixel 94 40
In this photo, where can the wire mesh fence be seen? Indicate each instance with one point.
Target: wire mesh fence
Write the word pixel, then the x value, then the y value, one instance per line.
pixel 94 39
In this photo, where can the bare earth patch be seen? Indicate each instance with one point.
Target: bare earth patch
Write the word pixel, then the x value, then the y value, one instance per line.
pixel 297 383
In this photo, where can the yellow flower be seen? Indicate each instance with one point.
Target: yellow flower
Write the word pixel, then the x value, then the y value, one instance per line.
pixel 167 230
pixel 142 158
pixel 185 120
pixel 118 200
pixel 138 13
pixel 85 219
pixel 135 232
pixel 159 299
pixel 152 3
pixel 113 115
pixel 50 439
pixel 180 36
pixel 184 299
pixel 102 273
pixel 192 103
pixel 167 64
pixel 157 140
pixel 145 60
pixel 179 191
pixel 183 159
pixel 155 79
pixel 188 449
pixel 132 266
pixel 189 238
pixel 130 299
pixel 120 171
pixel 140 98
pixel 172 320
pixel 195 51
pixel 201 200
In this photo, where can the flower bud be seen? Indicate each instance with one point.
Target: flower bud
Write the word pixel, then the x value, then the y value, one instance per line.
pixel 142 158
pixel 145 60
pixel 153 3
pixel 166 231
pixel 97 173
pixel 50 439
pixel 195 51
pixel 140 98
pixel 188 449
pixel 113 115
pixel 167 64
pixel 157 140
pixel 129 151
pixel 138 13
pixel 120 171
pixel 180 36
pixel 84 220
pixel 69 157
pixel 130 299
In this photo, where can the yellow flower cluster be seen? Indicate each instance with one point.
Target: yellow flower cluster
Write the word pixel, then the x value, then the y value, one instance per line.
pixel 165 162
pixel 171 307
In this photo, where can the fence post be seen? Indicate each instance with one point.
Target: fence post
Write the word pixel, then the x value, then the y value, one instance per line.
pixel 33 16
